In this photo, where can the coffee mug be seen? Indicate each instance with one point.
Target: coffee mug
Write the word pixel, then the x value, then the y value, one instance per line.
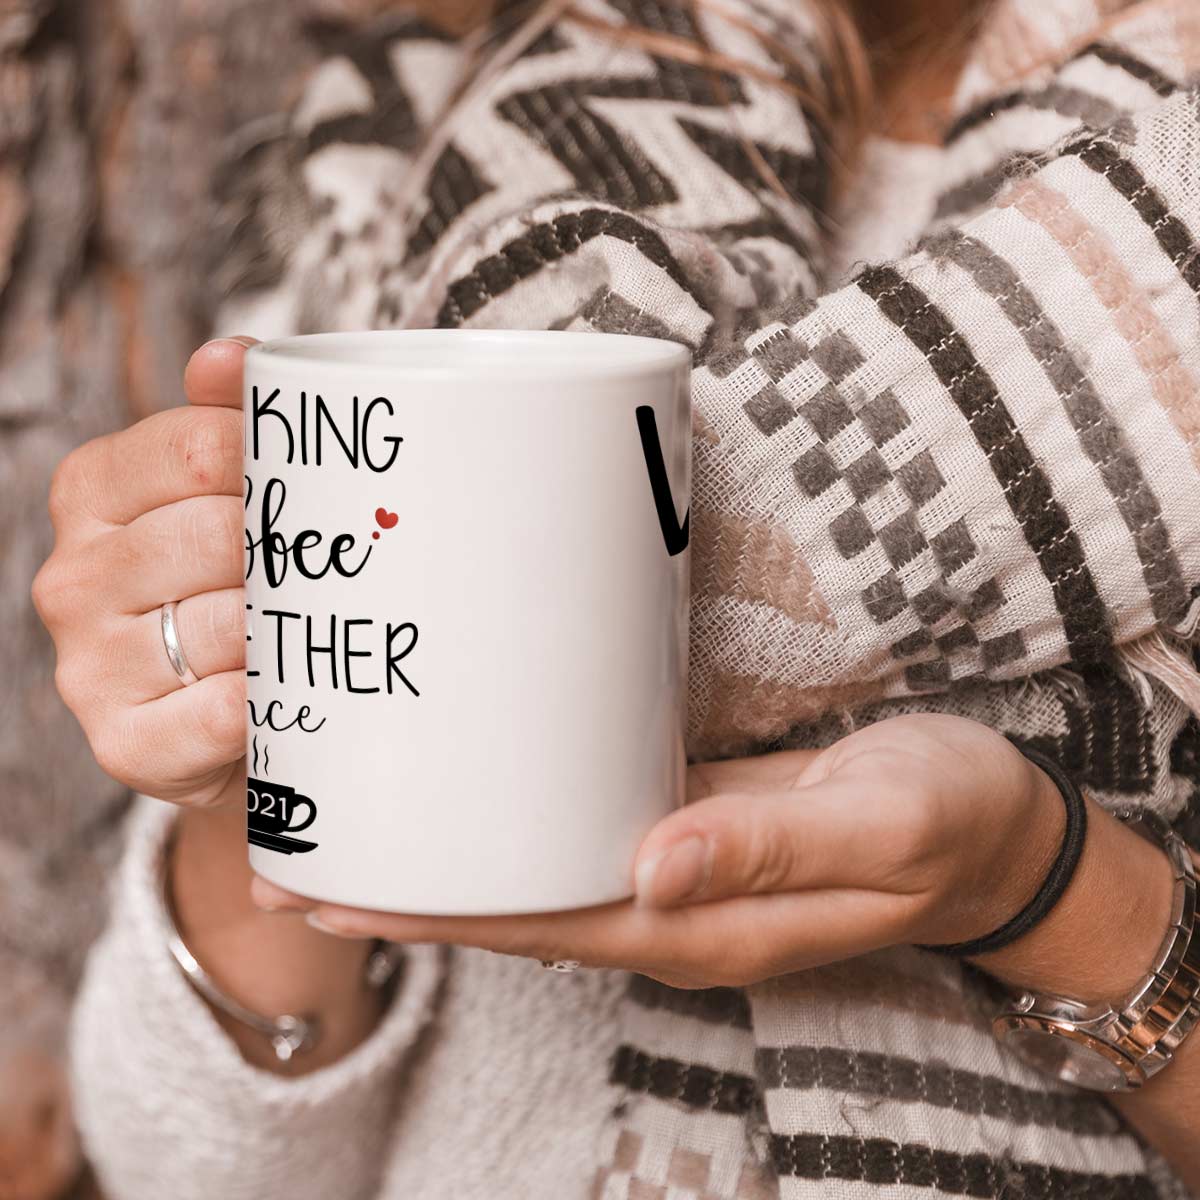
pixel 466 603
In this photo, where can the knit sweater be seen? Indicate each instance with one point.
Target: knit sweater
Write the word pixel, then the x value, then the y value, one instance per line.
pixel 963 476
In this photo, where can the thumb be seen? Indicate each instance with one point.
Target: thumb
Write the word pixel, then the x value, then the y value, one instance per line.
pixel 213 376
pixel 746 843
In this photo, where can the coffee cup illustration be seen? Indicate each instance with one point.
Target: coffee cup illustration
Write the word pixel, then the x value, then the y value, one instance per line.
pixel 274 811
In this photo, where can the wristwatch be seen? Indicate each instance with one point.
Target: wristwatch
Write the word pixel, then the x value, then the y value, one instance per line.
pixel 1117 1048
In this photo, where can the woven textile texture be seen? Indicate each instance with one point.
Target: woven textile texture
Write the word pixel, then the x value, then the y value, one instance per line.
pixel 965 479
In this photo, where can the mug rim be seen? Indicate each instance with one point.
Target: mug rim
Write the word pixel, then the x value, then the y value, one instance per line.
pixel 577 354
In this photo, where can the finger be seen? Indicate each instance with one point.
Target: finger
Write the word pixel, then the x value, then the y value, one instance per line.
pixel 599 936
pixel 731 942
pixel 778 771
pixel 604 930
pixel 769 937
pixel 211 628
pixel 181 742
pixel 833 834
pixel 270 897
pixel 178 550
pixel 169 456
pixel 213 376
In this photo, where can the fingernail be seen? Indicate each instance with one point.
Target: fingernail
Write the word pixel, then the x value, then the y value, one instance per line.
pixel 269 898
pixel 315 920
pixel 680 873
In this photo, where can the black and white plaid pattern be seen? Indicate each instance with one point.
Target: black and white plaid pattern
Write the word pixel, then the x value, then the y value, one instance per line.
pixel 922 577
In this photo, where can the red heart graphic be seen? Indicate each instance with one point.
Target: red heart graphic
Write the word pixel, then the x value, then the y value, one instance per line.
pixel 386 519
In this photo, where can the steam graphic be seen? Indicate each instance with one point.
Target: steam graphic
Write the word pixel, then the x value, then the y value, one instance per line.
pixel 266 757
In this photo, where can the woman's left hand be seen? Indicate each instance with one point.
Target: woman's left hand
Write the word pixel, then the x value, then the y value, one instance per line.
pixel 919 829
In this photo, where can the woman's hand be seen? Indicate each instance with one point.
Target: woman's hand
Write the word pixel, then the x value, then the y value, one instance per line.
pixel 141 517
pixel 147 515
pixel 918 829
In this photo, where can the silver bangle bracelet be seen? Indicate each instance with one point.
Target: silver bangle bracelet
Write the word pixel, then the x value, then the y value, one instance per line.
pixel 289 1034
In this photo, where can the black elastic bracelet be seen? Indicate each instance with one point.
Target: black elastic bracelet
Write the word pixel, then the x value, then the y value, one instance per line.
pixel 1056 881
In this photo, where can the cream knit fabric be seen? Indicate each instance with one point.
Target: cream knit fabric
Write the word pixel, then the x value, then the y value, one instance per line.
pixel 503 1095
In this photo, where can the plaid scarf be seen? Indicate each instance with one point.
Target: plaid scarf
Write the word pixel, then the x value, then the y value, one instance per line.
pixel 967 479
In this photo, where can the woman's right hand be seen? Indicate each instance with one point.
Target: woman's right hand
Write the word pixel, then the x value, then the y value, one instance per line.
pixel 150 514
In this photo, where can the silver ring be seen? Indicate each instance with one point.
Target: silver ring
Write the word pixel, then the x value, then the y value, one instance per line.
pixel 564 966
pixel 173 646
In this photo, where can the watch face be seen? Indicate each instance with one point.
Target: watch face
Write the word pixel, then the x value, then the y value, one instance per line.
pixel 1070 1060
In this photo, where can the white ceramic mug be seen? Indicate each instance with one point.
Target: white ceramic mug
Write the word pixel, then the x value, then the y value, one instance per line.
pixel 466 605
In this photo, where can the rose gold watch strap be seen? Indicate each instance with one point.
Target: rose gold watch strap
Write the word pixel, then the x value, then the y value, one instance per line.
pixel 1155 1020
pixel 1145 999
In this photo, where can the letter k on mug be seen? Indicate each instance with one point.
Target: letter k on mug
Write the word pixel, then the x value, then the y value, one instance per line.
pixel 467 596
